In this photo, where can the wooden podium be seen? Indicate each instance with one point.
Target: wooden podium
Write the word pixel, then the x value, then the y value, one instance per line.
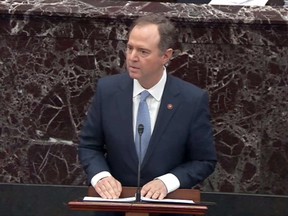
pixel 145 208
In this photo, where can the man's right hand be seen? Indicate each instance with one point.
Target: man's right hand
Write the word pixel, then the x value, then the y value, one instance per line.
pixel 108 188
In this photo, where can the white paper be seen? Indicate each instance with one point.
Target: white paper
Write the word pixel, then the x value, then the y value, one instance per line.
pixel 132 199
pixel 99 199
pixel 183 201
pixel 239 2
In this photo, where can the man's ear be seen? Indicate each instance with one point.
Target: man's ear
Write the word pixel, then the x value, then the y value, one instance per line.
pixel 167 56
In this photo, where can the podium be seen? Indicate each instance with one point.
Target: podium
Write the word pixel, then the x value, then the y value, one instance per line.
pixel 144 208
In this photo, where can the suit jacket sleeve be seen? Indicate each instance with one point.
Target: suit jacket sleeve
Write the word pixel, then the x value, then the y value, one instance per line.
pixel 201 153
pixel 91 149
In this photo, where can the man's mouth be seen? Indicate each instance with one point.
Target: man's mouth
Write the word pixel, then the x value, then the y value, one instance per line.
pixel 133 67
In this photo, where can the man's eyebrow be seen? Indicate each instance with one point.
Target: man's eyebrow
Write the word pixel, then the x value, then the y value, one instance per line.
pixel 138 48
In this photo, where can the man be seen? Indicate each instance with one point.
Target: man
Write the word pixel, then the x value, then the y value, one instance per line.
pixel 180 153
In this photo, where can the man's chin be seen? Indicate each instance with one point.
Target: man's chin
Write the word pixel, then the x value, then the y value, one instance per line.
pixel 133 75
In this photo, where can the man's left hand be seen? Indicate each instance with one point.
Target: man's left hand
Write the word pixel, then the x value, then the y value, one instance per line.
pixel 154 189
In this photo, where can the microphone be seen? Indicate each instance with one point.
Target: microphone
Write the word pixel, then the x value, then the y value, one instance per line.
pixel 138 192
pixel 140 130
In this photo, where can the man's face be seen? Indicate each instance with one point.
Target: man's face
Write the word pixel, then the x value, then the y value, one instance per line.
pixel 143 57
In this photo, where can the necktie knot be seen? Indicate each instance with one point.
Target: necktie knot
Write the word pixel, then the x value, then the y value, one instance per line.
pixel 144 95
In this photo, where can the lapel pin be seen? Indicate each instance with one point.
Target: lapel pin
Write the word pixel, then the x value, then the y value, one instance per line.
pixel 170 106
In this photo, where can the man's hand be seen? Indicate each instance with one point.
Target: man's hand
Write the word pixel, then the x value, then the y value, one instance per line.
pixel 155 189
pixel 109 188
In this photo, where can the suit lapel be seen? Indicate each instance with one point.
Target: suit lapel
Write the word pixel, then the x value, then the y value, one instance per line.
pixel 169 104
pixel 125 105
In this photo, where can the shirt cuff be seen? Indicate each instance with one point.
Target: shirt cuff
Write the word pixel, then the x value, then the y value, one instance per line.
pixel 99 176
pixel 171 182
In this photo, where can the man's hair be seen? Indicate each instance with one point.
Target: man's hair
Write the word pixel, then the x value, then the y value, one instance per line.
pixel 167 30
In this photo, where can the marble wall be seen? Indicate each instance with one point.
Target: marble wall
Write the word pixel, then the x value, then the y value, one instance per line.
pixel 53 52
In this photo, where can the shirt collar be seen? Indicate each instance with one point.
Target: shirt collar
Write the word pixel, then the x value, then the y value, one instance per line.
pixel 156 91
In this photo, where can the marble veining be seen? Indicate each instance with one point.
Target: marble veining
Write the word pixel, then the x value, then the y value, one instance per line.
pixel 53 52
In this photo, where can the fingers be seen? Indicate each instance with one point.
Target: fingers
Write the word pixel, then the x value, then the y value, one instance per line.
pixel 108 188
pixel 155 189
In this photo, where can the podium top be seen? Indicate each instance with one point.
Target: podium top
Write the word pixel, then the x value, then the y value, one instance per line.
pixel 144 208
pixel 139 209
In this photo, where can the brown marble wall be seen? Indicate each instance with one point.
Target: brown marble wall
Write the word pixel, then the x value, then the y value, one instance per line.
pixel 52 54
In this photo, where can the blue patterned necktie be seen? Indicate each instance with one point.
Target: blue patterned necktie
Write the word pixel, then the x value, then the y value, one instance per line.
pixel 143 117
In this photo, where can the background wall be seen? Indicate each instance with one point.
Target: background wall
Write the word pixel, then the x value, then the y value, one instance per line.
pixel 52 54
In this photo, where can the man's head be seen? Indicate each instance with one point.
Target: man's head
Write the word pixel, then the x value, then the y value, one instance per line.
pixel 149 48
pixel 166 29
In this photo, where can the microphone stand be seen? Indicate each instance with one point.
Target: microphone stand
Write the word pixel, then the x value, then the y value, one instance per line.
pixel 138 192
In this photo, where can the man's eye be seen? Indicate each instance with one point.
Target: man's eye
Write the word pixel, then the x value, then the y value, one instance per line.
pixel 144 52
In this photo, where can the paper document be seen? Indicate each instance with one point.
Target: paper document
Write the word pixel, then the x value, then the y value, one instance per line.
pixel 239 2
pixel 132 199
pixel 182 201
pixel 99 199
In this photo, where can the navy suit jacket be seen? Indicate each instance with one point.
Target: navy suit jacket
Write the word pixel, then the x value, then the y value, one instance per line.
pixel 181 142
